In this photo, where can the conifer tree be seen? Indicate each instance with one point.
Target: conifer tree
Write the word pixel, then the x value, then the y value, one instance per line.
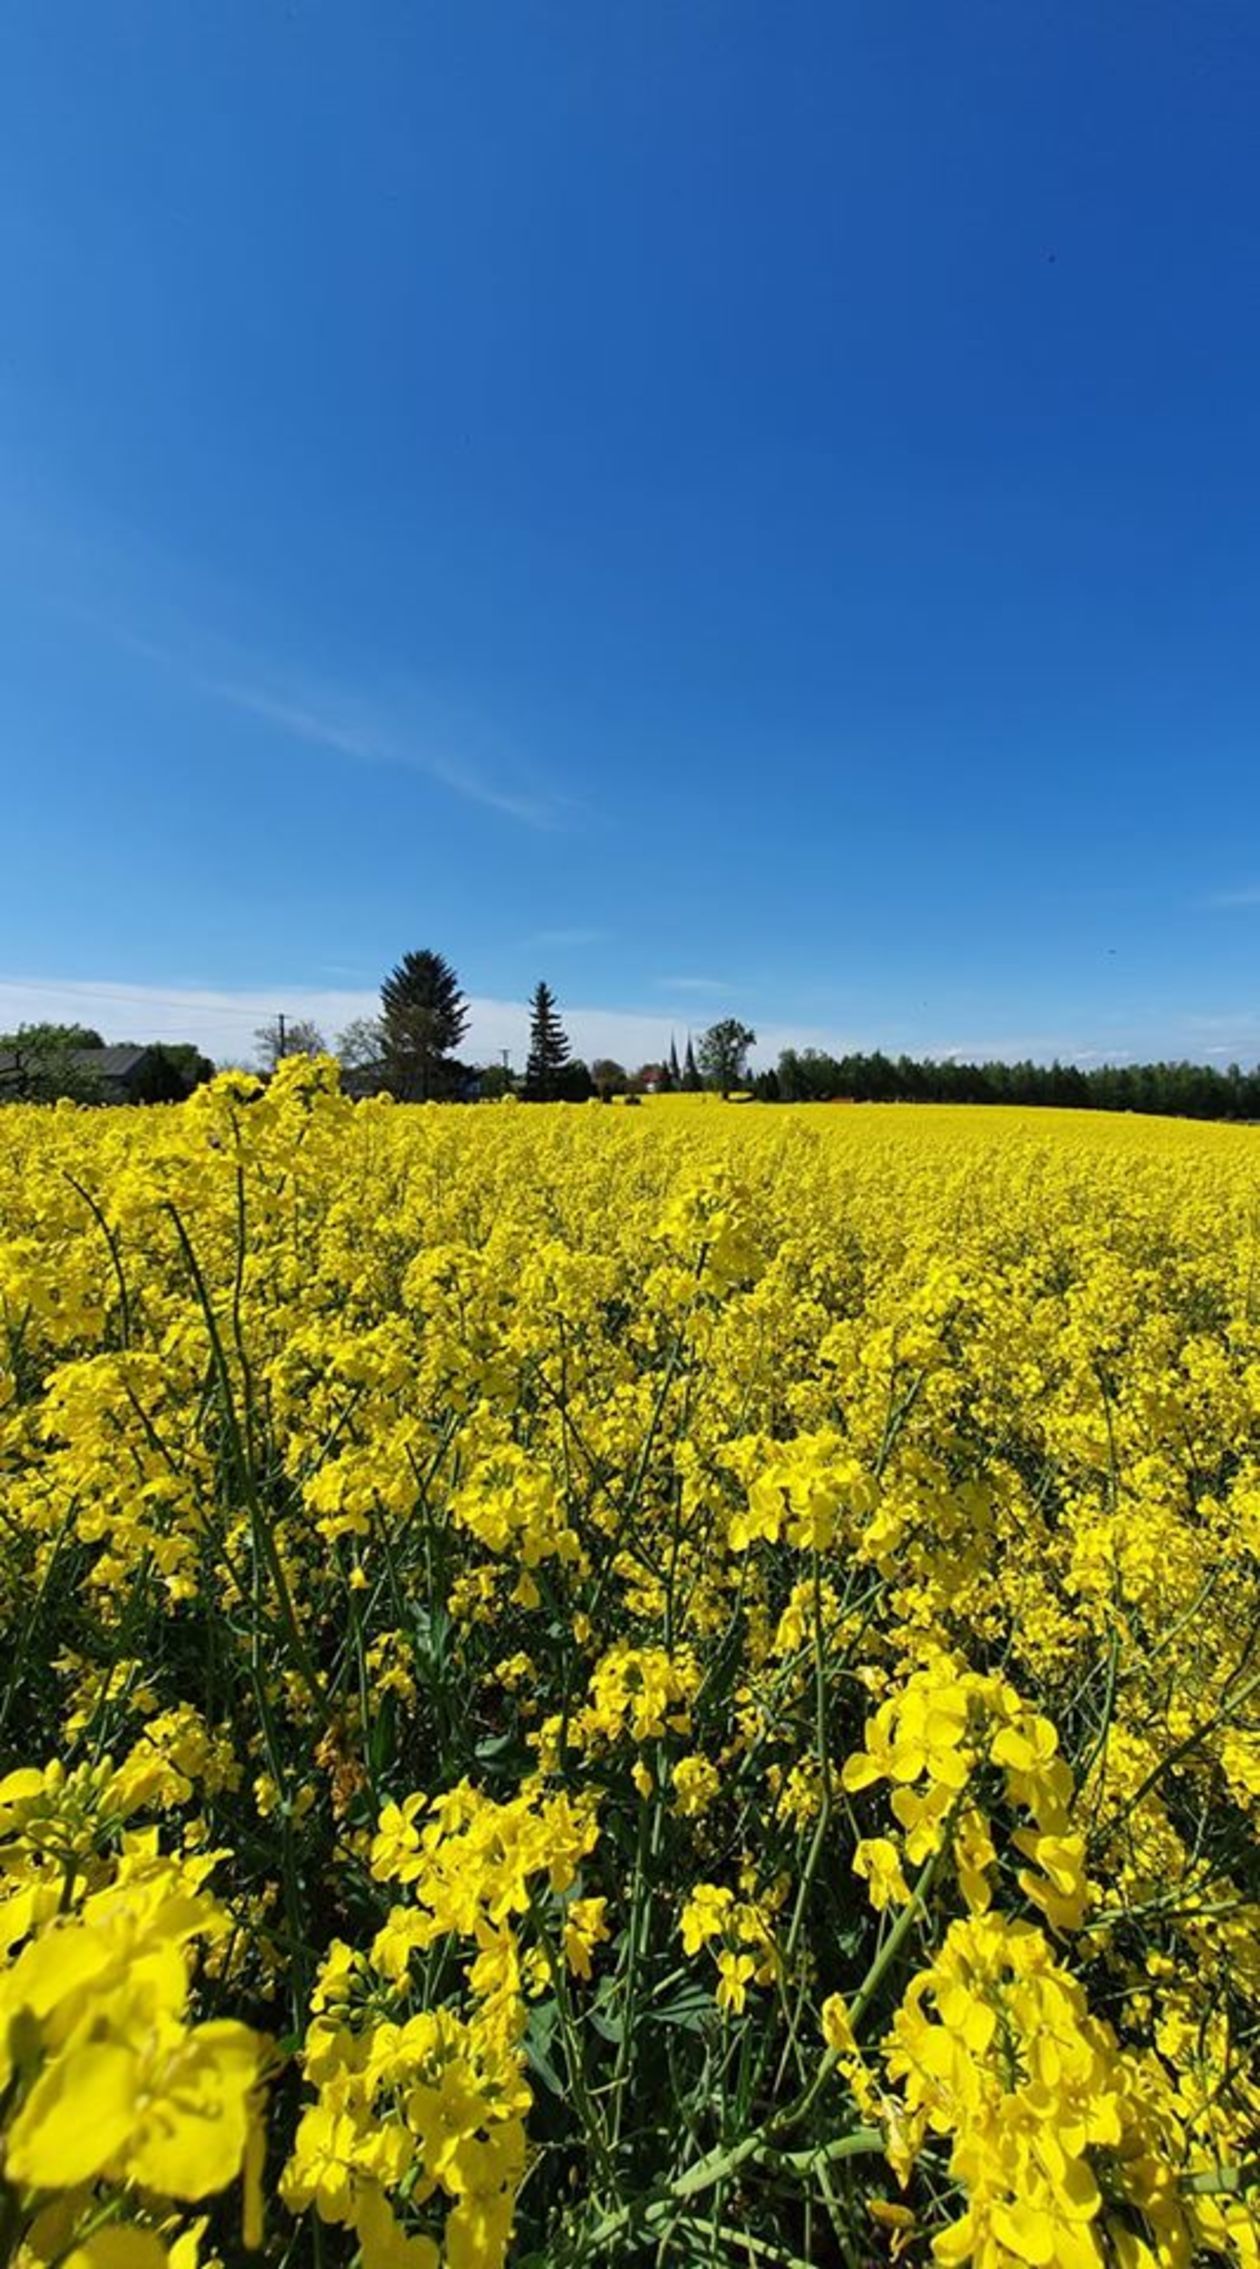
pixel 674 1072
pixel 424 1016
pixel 548 1047
pixel 691 1080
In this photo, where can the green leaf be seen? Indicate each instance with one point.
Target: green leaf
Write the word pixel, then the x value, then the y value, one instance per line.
pixel 539 2034
pixel 495 1745
pixel 692 2010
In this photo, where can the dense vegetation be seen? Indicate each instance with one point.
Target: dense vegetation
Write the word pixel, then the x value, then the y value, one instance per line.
pixel 1173 1090
pixel 594 1686
pixel 410 1049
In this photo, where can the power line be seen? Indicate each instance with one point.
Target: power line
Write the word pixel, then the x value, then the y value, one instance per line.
pixel 140 997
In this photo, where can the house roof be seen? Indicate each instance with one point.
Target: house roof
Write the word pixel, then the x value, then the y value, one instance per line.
pixel 111 1062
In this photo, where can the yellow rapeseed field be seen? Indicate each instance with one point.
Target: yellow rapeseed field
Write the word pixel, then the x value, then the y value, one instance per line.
pixel 589 1685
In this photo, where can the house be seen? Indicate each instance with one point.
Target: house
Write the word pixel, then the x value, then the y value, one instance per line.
pixel 124 1073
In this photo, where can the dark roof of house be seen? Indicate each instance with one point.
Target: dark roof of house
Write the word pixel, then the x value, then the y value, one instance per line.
pixel 111 1062
pixel 114 1064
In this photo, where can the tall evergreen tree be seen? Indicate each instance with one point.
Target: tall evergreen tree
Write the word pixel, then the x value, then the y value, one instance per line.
pixel 674 1072
pixel 691 1080
pixel 424 1016
pixel 548 1047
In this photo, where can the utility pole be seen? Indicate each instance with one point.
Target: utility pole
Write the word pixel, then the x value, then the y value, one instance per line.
pixel 280 1022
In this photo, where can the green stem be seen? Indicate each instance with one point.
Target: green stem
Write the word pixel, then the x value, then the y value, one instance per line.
pixel 124 1305
pixel 872 1982
pixel 718 2166
pixel 264 1540
pixel 587 2113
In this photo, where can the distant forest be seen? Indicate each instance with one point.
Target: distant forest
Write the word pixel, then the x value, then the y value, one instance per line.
pixel 1178 1090
pixel 409 1052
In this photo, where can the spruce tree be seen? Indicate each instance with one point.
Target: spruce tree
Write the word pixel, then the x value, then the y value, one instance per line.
pixel 548 1047
pixel 424 1016
pixel 691 1080
pixel 674 1072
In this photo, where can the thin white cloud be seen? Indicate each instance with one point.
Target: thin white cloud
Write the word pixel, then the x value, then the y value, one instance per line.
pixel 693 985
pixel 1248 895
pixel 561 939
pixel 111 582
pixel 328 720
pixel 1012 1048
pixel 221 1020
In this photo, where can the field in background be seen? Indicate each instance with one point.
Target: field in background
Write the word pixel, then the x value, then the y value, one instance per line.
pixel 585 1684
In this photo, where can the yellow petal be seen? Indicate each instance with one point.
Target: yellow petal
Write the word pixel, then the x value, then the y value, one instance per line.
pixel 53 1967
pixel 77 2117
pixel 1026 2231
pixel 194 2135
pixel 19 1787
pixel 121 2246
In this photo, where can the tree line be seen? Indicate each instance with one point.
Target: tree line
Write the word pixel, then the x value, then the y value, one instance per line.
pixel 48 1063
pixel 411 1050
pixel 1175 1090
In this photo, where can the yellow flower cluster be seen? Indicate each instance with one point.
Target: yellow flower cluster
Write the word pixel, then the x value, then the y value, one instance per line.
pixel 416 2104
pixel 941 1729
pixel 742 1932
pixel 121 2109
pixel 412 2107
pixel 711 1656
pixel 996 2050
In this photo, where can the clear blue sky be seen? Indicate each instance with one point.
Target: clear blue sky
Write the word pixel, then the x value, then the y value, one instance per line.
pixel 720 505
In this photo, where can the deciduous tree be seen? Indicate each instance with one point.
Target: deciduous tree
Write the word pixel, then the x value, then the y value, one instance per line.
pixel 298 1036
pixel 362 1044
pixel 723 1052
pixel 42 1062
pixel 609 1077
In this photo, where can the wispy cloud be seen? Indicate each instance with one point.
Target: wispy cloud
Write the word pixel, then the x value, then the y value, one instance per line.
pixel 692 985
pixel 561 939
pixel 1014 1048
pixel 222 1021
pixel 334 721
pixel 1248 895
pixel 168 613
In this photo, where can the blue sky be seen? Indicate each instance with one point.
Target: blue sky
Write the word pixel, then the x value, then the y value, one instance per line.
pixel 721 506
